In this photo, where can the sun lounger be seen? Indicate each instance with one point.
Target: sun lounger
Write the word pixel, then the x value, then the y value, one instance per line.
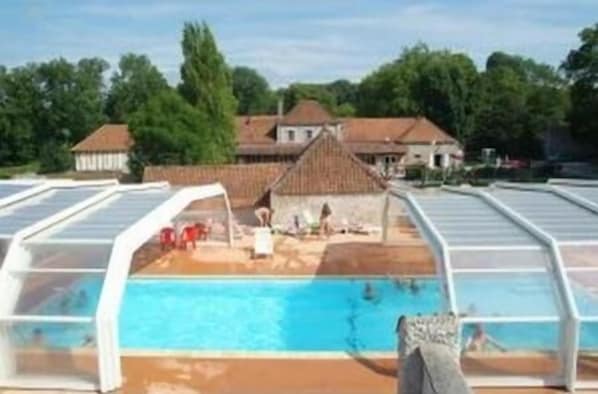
pixel 263 244
pixel 367 229
pixel 310 222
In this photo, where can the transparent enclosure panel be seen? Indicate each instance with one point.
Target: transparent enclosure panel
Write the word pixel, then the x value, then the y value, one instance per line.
pixel 58 294
pixel 51 350
pixel 209 214
pixel 499 259
pixel 506 295
pixel 7 190
pixel 587 360
pixel 33 210
pixel 55 256
pixel 585 291
pixel 510 349
pixel 111 217
pixel 580 256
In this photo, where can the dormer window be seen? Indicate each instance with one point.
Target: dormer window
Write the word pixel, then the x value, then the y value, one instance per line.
pixel 291 135
pixel 309 134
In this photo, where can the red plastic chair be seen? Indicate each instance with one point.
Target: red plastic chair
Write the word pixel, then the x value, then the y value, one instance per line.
pixel 202 231
pixel 189 234
pixel 167 238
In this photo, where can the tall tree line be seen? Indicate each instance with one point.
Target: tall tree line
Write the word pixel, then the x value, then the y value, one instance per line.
pixel 45 108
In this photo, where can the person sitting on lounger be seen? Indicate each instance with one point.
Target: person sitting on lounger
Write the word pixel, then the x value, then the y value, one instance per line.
pixel 264 216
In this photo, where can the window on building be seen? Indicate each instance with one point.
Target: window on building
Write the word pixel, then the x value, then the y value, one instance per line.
pixel 309 134
pixel 417 156
pixel 390 159
pixel 368 159
pixel 437 160
pixel 291 135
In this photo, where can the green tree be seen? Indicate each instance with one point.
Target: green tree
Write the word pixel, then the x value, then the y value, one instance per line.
pixel 54 156
pixel 304 91
pixel 521 99
pixel 168 130
pixel 20 103
pixel 135 82
pixel 581 67
pixel 252 92
pixel 206 84
pixel 438 84
pixel 72 99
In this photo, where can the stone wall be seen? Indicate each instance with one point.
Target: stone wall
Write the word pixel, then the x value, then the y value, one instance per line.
pixel 429 353
pixel 356 208
pixel 415 331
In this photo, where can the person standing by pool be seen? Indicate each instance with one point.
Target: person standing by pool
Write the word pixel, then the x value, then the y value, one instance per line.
pixel 325 218
pixel 264 216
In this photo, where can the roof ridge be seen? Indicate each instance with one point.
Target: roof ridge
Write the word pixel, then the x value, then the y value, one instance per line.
pixel 320 139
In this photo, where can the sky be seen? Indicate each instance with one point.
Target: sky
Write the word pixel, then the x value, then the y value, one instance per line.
pixel 289 41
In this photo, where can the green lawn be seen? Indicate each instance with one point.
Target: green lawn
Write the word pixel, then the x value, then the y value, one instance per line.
pixel 9 172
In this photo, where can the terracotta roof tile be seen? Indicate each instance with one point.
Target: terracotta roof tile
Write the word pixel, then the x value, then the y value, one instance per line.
pixel 307 112
pixel 375 129
pixel 256 129
pixel 424 131
pixel 108 138
pixel 246 184
pixel 326 166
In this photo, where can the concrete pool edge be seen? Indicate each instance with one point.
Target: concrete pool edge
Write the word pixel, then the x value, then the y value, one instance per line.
pixel 212 354
pixel 274 277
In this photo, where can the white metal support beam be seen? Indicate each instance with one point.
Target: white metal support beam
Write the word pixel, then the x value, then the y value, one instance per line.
pixel 125 244
pixel 427 229
pixel 16 257
pixel 570 334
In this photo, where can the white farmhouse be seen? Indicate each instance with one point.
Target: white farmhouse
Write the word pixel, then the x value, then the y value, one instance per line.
pixel 106 149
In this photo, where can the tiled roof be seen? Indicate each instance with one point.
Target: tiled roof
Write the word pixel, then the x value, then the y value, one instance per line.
pixel 424 131
pixel 326 166
pixel 294 149
pixel 307 112
pixel 246 184
pixel 375 129
pixel 262 130
pixel 256 129
pixel 108 138
pixel 270 149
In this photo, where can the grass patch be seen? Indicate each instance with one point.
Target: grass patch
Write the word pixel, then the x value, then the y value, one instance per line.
pixel 10 171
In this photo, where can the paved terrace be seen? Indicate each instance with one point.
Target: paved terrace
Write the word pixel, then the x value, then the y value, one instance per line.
pixel 350 375
pixel 341 254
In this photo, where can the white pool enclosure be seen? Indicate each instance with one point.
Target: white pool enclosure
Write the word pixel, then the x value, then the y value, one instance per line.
pixel 521 261
pixel 55 234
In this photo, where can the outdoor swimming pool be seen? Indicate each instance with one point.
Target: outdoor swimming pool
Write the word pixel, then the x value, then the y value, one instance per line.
pixel 299 314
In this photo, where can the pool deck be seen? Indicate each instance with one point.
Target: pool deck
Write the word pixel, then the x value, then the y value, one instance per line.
pixel 351 374
pixel 341 254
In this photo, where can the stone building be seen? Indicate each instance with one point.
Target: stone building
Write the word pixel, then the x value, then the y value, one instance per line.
pixel 387 145
pixel 325 172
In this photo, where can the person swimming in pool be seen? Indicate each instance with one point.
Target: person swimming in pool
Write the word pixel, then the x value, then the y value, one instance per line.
pixel 38 337
pixel 369 292
pixel 82 299
pixel 413 286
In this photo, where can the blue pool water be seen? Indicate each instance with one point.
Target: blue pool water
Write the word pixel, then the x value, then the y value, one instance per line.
pixel 278 315
pixel 301 315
